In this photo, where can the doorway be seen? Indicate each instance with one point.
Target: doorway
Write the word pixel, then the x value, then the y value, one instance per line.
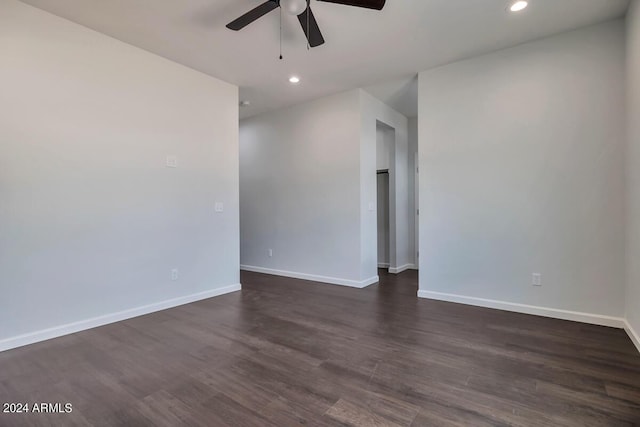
pixel 383 219
pixel 385 169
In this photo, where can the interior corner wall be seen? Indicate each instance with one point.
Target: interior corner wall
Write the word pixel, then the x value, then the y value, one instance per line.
pixel 300 191
pixel 633 170
pixel 91 220
pixel 374 111
pixel 413 206
pixel 521 172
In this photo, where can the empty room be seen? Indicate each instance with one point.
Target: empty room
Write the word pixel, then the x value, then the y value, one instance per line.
pixel 320 212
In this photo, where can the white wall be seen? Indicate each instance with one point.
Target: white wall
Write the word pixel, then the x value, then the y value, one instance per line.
pixel 300 190
pixel 521 171
pixel 384 144
pixel 633 169
pixel 372 112
pixel 413 205
pixel 308 189
pixel 91 220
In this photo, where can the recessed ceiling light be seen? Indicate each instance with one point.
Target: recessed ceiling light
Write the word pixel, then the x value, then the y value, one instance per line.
pixel 518 5
pixel 294 79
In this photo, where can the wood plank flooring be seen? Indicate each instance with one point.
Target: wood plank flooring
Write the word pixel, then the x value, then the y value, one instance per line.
pixel 285 352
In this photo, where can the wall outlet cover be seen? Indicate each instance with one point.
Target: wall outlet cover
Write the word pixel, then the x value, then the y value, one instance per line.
pixel 536 279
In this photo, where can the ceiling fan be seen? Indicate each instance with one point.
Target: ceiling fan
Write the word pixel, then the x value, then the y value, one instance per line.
pixel 302 9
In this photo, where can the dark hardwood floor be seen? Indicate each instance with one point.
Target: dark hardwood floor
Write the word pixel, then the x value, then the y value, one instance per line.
pixel 286 352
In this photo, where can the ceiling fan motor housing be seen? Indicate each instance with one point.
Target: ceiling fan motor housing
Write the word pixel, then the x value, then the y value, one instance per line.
pixel 302 9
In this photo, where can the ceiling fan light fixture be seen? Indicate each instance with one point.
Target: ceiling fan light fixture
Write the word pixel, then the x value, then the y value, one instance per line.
pixel 518 5
pixel 294 7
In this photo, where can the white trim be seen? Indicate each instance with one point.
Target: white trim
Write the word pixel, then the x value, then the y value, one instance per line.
pixel 635 338
pixel 70 328
pixel 312 277
pixel 398 270
pixel 595 319
pixel 383 265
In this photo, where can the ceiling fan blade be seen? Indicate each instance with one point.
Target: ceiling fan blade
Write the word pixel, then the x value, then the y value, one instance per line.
pixel 369 4
pixel 313 32
pixel 252 15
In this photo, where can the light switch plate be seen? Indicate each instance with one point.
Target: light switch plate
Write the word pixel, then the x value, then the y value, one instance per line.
pixel 219 207
pixel 172 162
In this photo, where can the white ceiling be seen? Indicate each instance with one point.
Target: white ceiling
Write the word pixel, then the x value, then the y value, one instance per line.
pixel 381 51
pixel 400 94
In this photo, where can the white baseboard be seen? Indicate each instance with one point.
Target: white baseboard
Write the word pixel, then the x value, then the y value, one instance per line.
pixel 70 328
pixel 312 277
pixel 398 270
pixel 595 319
pixel 635 338
pixel 383 265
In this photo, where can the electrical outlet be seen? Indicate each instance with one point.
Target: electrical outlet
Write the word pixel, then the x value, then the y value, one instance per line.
pixel 270 253
pixel 174 274
pixel 536 279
